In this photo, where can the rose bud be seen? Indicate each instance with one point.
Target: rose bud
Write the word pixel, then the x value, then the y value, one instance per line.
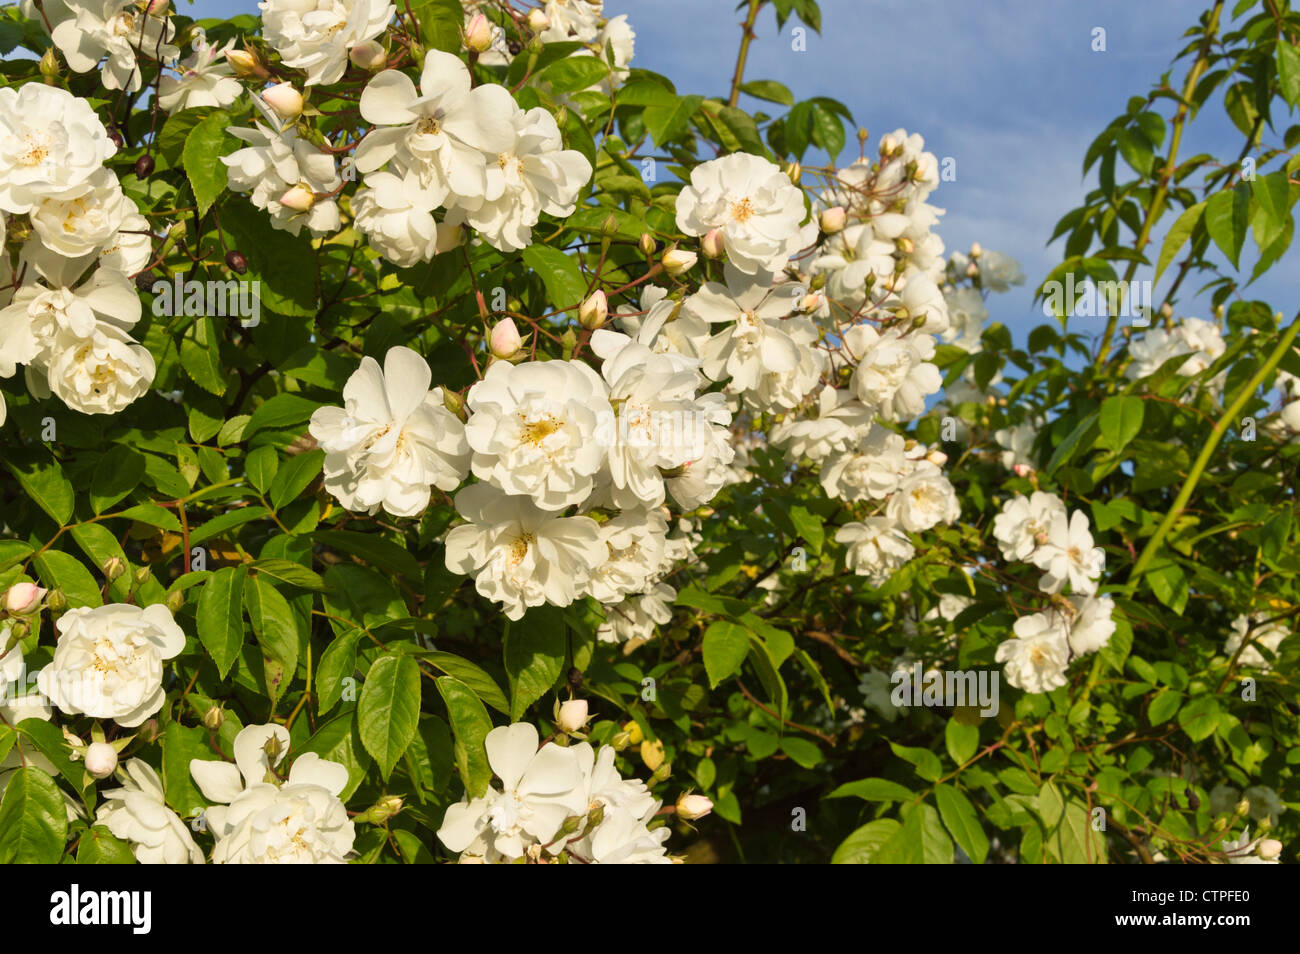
pixel 284 100
pixel 23 598
pixel 572 716
pixel 478 35
pixel 832 220
pixel 298 199
pixel 677 262
pixel 692 807
pixel 101 759
pixel 593 312
pixel 537 20
pixel 369 55
pixel 711 245
pixel 504 342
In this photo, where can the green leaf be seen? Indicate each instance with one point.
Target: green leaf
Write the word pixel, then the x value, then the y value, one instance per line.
pixel 118 473
pixel 1199 718
pixel 201 356
pixel 665 123
pixel 441 23
pixel 1051 805
pixel 280 412
pixel 42 479
pixel 338 662
pixel 873 790
pixel 469 725
pixel 962 822
pixel 204 147
pixel 478 681
pixel 1227 215
pixel 98 846
pixel 574 73
pixel 534 656
pixel 1120 420
pixel 66 572
pixel 961 741
pixel 294 475
pixel 273 622
pixel 33 819
pixel 286 571
pixel 565 286
pixel 1163 706
pixel 388 711
pixel 926 762
pixel 225 522
pixel 220 617
pixel 770 90
pixel 1288 71
pixel 378 552
pixel 1178 235
pixel 726 645
pixel 861 847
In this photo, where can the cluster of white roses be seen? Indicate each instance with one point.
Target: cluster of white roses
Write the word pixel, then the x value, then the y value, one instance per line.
pixel 67 302
pixel 109 35
pixel 556 803
pixel 258 816
pixel 1039 530
pixel 1196 339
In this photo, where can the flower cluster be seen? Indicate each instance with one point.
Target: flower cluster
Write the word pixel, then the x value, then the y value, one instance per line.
pixel 67 304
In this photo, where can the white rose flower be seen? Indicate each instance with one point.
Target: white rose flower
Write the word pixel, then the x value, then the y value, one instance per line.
pixel 118 30
pixel 874 547
pixel 519 554
pixel 277 162
pixel 966 317
pixel 108 663
pixel 540 429
pixel 535 174
pixel 635 540
pixel 259 819
pixel 540 789
pixel 755 205
pixel 440 133
pixel 999 272
pixel 633 621
pixel 660 324
pixel 920 299
pixel 1023 523
pixel 893 374
pixel 102 374
pixel 16 703
pixel 878 692
pixel 1068 556
pixel 1017 443
pixel 1036 657
pixel 1091 625
pixel 205 78
pixel 851 259
pixel 571 19
pixel 51 143
pixel 82 221
pixel 316 35
pixel 840 422
pixel 1262 633
pixel 702 478
pixel 137 813
pixel 396 216
pixel 924 498
pixel 779 391
pixel 869 470
pixel 392 440
pixel 754 340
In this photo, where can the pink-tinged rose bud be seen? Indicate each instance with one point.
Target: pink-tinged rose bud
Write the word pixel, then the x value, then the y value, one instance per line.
pixel 244 63
pixel 101 759
pixel 677 262
pixel 972 270
pixel 593 312
pixel 369 55
pixel 478 35
pixel 1022 470
pixel 810 303
pixel 976 250
pixel 712 245
pixel 298 199
pixel 832 220
pixel 538 21
pixel 692 807
pixel 158 8
pixel 573 716
pixel 23 598
pixel 1041 538
pixel 284 100
pixel 647 244
pixel 504 341
pixel 1270 848
pixel 449 237
pixel 937 457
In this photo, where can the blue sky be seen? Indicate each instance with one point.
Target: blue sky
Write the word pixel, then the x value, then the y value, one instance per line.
pixel 1011 89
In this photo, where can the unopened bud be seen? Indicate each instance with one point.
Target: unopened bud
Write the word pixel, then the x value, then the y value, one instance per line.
pixel 382 810
pixel 538 21
pixel 593 312
pixel 937 457
pixel 832 220
pixel 142 575
pixel 49 64
pixel 677 262
pixel 56 601
pixel 149 732
pixel 905 245
pixel 712 244
pixel 284 100
pixel 244 63
pixel 976 250
pixel 174 600
pixel 298 199
pixel 101 759
pixel 794 172
pixel 114 567
pixel 1270 848
pixel 214 718
pixel 23 598
pixel 478 35
pixel 453 402
pixel 1243 806
pixel 692 807
pixel 369 55
pixel 648 244
pixel 572 716
pixel 504 341
pixel 888 145
pixel 157 8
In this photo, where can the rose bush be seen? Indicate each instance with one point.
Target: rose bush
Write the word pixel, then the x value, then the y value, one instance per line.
pixel 438 438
